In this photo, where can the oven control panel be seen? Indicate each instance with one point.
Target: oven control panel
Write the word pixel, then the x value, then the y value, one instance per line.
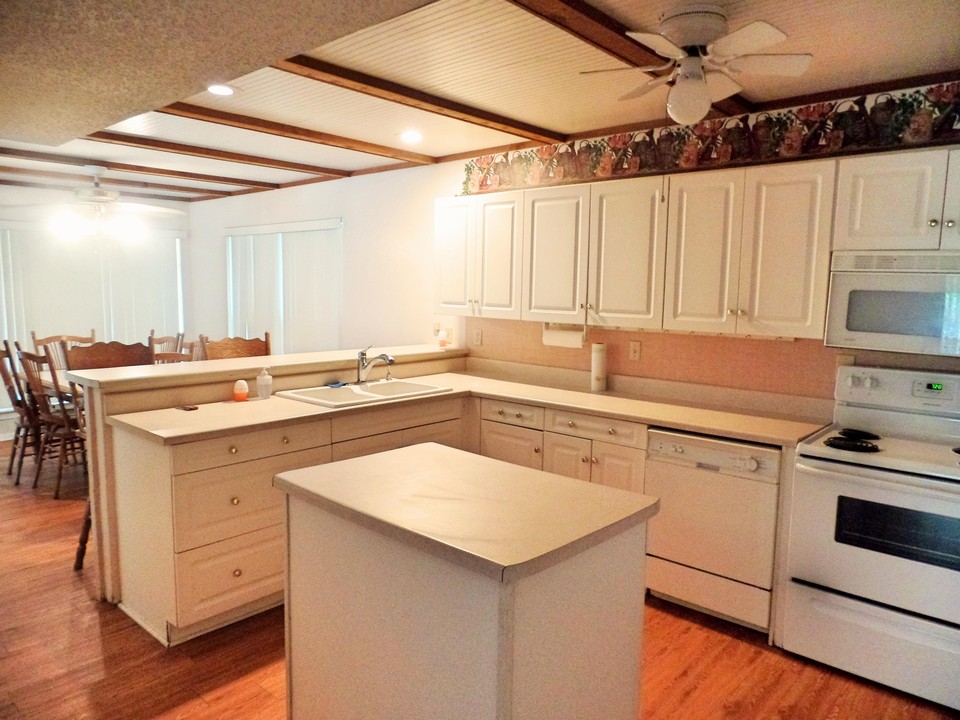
pixel 905 390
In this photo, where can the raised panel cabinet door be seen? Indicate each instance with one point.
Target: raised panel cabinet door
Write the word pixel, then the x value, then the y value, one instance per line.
pixel 703 251
pixel 555 238
pixel 785 254
pixel 892 201
pixel 617 466
pixel 628 240
pixel 512 444
pixel 566 455
pixel 454 250
pixel 499 255
pixel 950 232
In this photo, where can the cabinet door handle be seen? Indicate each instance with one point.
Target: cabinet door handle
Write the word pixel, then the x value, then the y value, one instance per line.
pixel 741 313
pixel 583 458
pixel 594 461
pixel 950 223
pixel 233 449
pixel 571 423
pixel 238 572
pixel 500 411
pixel 731 311
pixel 285 441
pixel 612 431
pixel 519 414
pixel 234 500
pixel 933 222
pixel 536 450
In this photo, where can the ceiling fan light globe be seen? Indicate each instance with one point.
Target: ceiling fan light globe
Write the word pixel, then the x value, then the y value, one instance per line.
pixel 688 101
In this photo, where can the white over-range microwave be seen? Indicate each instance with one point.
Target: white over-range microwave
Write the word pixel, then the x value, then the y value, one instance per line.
pixel 905 302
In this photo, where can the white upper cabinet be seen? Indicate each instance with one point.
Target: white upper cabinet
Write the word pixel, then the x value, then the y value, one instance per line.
pixel 555 238
pixel 748 251
pixel 899 201
pixel 479 251
pixel 454 248
pixel 703 251
pixel 628 237
pixel 785 254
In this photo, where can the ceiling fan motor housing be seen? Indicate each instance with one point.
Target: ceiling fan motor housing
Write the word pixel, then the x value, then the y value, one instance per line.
pixel 695 25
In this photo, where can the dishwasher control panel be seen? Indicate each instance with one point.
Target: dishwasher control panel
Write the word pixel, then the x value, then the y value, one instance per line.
pixel 730 457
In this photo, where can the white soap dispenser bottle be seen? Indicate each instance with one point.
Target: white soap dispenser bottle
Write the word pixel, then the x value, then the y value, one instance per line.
pixel 264 384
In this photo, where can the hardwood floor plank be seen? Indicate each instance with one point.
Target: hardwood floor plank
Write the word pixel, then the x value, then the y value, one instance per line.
pixel 64 656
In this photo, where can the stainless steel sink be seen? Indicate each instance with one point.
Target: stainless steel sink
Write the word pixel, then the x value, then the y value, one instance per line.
pixel 362 393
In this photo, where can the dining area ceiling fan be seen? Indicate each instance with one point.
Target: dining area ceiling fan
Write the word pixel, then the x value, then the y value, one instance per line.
pixel 702 58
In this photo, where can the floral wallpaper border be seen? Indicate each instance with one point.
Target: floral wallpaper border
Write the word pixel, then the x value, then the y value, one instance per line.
pixel 884 121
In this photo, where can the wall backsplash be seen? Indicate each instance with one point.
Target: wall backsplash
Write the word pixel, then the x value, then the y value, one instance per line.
pixel 928 115
pixel 789 367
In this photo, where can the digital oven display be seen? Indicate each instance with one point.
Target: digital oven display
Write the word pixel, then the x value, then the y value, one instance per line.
pixel 935 387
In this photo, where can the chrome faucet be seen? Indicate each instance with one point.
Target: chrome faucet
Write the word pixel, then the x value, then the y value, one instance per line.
pixel 364 364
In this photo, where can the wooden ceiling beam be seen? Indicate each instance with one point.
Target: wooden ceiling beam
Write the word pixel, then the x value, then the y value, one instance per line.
pixel 308 67
pixel 140 169
pixel 145 143
pixel 126 194
pixel 610 35
pixel 245 122
pixel 117 182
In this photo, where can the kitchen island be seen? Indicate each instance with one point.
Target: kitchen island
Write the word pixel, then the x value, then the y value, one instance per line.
pixel 428 582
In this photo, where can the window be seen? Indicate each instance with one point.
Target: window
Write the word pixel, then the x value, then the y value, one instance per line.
pixel 286 279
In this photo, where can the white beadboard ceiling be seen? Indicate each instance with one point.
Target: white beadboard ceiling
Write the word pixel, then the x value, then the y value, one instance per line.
pixel 325 88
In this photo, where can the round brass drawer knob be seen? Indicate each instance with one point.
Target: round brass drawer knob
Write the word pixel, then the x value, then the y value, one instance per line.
pixel 233 449
pixel 285 441
pixel 238 572
pixel 234 501
pixel 500 411
pixel 583 458
pixel 571 423
pixel 594 461
pixel 519 415
pixel 536 450
pixel 612 431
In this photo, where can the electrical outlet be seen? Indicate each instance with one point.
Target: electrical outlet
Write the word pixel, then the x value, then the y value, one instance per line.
pixel 634 349
pixel 477 337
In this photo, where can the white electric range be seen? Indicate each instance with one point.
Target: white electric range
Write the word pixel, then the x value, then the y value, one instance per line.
pixel 874 549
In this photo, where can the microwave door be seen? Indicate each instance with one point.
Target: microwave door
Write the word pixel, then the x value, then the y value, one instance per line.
pixel 895 311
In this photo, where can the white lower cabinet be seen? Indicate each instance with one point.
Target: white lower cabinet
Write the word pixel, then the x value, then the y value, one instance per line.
pixel 572 447
pixel 376 430
pixel 512 432
pixel 201 528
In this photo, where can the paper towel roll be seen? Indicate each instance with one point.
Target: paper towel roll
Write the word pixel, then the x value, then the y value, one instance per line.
pixel 598 367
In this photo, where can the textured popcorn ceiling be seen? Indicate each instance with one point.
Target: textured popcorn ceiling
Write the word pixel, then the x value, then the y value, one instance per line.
pixel 72 67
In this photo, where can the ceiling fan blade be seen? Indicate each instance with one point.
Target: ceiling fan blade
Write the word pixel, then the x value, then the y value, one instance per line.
pixel 659 44
pixel 720 86
pixel 643 68
pixel 131 207
pixel 647 87
pixel 791 65
pixel 747 39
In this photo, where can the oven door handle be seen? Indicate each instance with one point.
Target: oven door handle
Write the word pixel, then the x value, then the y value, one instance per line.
pixel 878 477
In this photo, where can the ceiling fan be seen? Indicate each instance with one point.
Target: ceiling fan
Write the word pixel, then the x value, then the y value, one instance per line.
pixel 100 201
pixel 702 58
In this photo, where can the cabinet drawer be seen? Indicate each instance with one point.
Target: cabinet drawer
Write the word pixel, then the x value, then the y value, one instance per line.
pixel 223 576
pixel 512 413
pixel 396 417
pixel 242 447
pixel 224 502
pixel 619 432
pixel 446 433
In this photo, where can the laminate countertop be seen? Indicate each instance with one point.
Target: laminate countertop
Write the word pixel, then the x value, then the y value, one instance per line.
pixel 172 426
pixel 498 519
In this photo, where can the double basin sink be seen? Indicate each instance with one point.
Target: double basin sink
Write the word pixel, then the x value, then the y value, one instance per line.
pixel 338 396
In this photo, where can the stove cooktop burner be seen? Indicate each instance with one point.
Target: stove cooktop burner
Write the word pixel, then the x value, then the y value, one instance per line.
pixel 854 434
pixel 852 444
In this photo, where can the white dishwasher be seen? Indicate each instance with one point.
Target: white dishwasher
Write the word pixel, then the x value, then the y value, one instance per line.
pixel 711 546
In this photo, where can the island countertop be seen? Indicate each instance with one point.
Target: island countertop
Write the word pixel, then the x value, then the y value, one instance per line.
pixel 498 519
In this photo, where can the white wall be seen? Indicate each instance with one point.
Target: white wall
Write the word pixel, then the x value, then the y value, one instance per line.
pixel 388 280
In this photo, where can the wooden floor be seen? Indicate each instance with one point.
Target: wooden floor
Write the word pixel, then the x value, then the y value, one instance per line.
pixel 64 656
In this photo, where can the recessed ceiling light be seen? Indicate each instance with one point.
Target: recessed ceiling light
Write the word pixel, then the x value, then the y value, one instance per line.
pixel 411 137
pixel 220 89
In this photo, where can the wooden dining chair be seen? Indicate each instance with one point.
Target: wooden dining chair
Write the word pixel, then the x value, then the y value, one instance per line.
pixel 164 358
pixel 58 419
pixel 194 347
pixel 235 347
pixel 55 342
pixel 105 355
pixel 164 344
pixel 26 435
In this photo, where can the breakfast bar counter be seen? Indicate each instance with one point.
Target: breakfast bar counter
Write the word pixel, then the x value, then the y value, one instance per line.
pixel 431 582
